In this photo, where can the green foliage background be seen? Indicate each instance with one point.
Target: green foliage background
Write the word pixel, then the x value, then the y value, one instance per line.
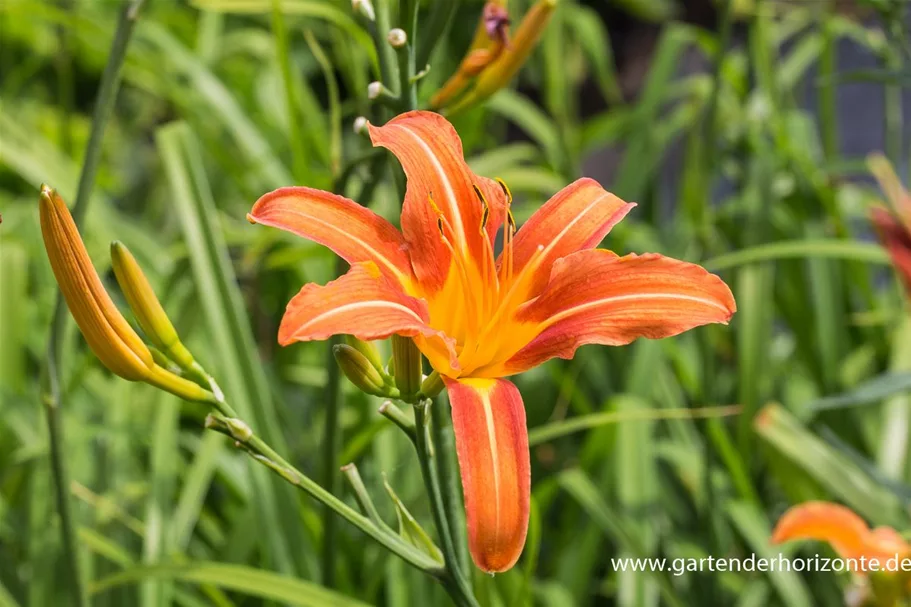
pixel 224 100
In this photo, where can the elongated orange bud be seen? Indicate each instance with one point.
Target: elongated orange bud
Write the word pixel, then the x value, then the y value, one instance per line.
pixel 146 307
pixel 108 334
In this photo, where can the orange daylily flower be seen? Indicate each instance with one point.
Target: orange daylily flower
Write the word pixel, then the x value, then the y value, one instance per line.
pixel 842 529
pixel 894 229
pixel 479 317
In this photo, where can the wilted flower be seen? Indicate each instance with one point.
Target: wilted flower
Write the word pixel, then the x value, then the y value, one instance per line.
pixel 476 316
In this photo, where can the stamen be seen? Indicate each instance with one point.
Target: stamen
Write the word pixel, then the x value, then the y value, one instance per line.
pixel 505 189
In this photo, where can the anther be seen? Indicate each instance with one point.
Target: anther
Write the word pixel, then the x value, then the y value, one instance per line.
pixel 505 189
pixel 484 205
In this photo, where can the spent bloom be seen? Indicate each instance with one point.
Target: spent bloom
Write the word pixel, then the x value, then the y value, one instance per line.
pixel 477 316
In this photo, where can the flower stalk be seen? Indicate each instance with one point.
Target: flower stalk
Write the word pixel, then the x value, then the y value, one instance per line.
pixel 260 451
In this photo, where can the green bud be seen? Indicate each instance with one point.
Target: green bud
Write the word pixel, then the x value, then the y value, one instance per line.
pixel 432 385
pixel 359 371
pixel 407 362
pixel 369 351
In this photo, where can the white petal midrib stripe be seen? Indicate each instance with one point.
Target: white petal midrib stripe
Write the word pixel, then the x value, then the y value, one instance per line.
pixel 354 306
pixel 494 459
pixel 451 201
pixel 597 302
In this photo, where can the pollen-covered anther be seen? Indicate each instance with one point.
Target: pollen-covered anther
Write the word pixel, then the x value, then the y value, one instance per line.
pixel 484 205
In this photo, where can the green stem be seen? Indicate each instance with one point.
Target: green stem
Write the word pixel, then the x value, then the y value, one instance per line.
pixel 384 52
pixel 458 585
pixel 265 455
pixel 408 89
pixel 331 440
pixel 828 105
pixel 452 497
pixel 57 445
pixel 51 395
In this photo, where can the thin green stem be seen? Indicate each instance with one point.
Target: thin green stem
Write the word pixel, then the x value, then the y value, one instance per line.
pixel 265 455
pixel 828 104
pixel 104 104
pixel 368 508
pixel 444 440
pixel 408 88
pixel 379 30
pixel 459 586
pixel 331 439
pixel 51 393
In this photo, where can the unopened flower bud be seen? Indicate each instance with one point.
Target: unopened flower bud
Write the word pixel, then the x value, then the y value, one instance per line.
pixel 407 361
pixel 368 349
pixel 358 370
pixel 146 306
pixel 360 125
pixel 397 37
pixel 108 334
pixel 432 385
pixel 364 8
pixel 374 89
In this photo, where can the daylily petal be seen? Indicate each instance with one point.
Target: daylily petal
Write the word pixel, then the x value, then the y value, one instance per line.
pixel 841 528
pixel 431 155
pixel 362 303
pixel 596 297
pixel 488 419
pixel 578 217
pixel 355 233
pixel 835 524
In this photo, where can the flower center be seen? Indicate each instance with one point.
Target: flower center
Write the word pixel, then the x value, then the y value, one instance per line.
pixel 477 305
